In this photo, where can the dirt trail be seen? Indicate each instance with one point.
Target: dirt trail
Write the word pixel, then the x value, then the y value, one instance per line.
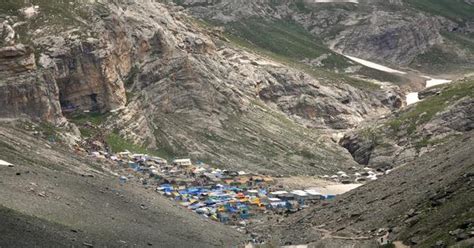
pixel 399 244
pixel 328 235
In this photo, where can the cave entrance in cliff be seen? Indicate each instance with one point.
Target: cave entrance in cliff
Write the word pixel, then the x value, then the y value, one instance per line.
pixel 94 103
pixel 67 106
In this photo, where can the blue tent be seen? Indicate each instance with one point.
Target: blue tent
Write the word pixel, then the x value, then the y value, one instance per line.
pixel 210 202
pixel 166 187
pixel 329 197
pixel 196 205
pixel 133 165
pixel 235 189
pixel 196 191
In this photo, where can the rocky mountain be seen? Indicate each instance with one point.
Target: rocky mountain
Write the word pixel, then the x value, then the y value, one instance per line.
pixel 404 33
pixel 174 87
pixel 261 86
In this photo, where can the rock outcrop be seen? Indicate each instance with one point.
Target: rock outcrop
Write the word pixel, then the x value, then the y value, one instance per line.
pixel 64 68
pixel 26 91
pixel 90 71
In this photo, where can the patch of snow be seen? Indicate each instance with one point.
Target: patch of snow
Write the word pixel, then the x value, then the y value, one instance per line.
pixel 374 65
pixel 117 109
pixel 266 62
pixel 412 97
pixel 5 163
pixel 335 189
pixel 433 82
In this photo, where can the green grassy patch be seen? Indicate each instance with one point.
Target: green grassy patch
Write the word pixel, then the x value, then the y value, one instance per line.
pixel 436 59
pixel 453 9
pixel 301 6
pixel 119 144
pixel 425 142
pixel 88 123
pixel 92 118
pixel 285 38
pixel 465 41
pixel 373 135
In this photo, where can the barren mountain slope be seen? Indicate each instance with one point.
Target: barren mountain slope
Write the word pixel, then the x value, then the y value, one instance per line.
pixel 52 197
pixel 423 202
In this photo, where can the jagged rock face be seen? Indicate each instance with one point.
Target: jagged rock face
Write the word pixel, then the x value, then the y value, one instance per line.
pixel 89 72
pixel 320 106
pixel 76 70
pixel 390 38
pixel 7 34
pixel 26 91
pixel 360 149
pixel 383 31
pixel 458 118
pixel 16 59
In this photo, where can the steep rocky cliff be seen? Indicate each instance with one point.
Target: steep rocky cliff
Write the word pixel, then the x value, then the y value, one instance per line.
pixel 82 72
pixel 25 90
